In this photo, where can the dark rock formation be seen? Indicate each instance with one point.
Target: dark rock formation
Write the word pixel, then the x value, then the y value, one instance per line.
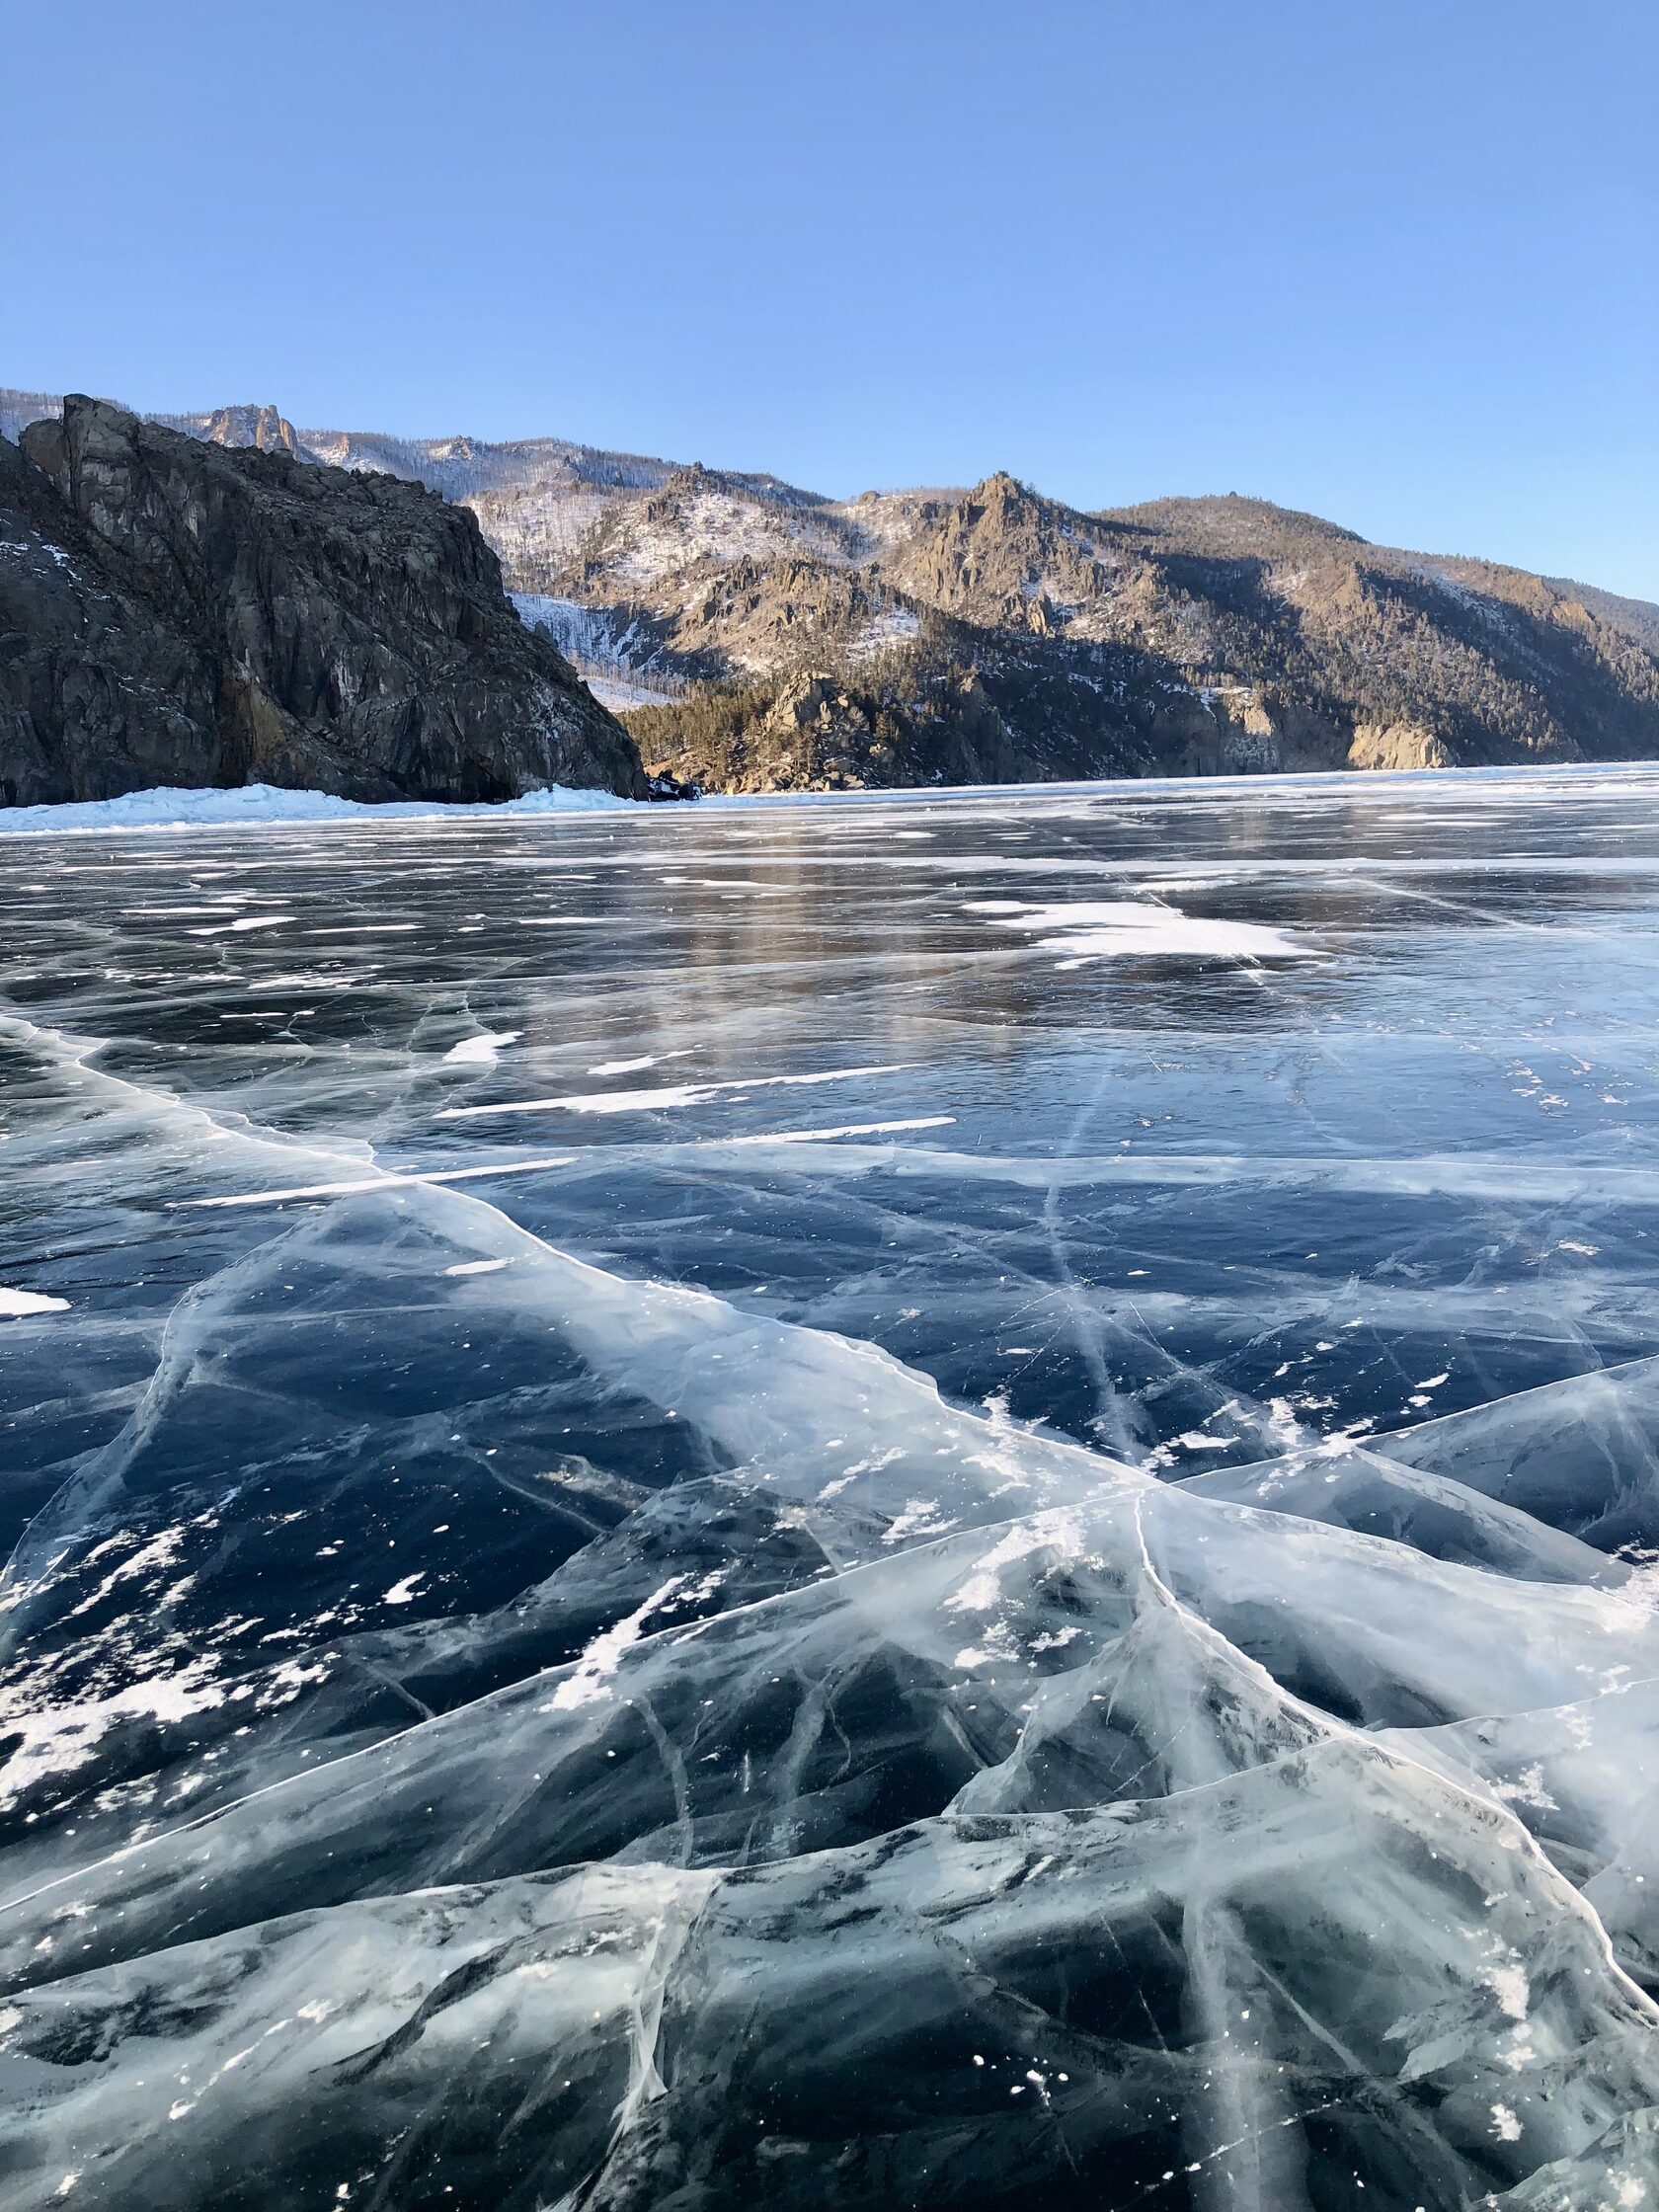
pixel 174 611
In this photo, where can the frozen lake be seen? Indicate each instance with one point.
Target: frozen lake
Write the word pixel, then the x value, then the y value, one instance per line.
pixel 919 1501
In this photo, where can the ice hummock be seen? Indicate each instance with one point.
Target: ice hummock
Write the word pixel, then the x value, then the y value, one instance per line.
pixel 169 808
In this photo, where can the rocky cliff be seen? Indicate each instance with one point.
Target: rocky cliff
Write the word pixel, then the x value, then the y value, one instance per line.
pixel 180 611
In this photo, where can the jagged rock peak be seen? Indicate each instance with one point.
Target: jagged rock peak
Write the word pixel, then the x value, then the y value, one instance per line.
pixel 259 427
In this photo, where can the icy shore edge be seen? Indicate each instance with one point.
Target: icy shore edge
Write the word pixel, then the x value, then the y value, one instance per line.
pixel 168 808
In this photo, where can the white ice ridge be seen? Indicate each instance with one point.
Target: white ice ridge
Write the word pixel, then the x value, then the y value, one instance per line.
pixel 169 808
pixel 662 1096
pixel 1123 928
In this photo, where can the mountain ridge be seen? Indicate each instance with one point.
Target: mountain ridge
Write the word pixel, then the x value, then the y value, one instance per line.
pixel 759 636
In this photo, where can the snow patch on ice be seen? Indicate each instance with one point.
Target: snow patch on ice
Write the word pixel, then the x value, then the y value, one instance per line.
pixel 1061 1532
pixel 30 1301
pixel 14 1302
pixel 481 1051
pixel 846 1129
pixel 633 1067
pixel 385 1181
pixel 1124 929
pixel 64 1737
pixel 661 1097
pixel 603 1655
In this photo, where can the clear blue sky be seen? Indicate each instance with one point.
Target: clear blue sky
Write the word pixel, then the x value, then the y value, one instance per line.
pixel 1394 261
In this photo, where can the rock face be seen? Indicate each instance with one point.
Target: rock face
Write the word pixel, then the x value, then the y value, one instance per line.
pixel 175 611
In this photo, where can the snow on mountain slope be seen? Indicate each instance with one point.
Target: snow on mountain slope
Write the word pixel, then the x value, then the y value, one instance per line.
pixel 622 659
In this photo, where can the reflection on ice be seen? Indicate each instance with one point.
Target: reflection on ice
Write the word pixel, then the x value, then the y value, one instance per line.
pixel 1111 1652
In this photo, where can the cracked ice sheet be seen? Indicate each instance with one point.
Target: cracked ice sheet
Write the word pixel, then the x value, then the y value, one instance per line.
pixel 508 1651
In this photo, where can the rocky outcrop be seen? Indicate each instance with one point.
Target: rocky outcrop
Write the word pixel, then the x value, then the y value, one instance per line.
pixel 259 427
pixel 822 732
pixel 183 612
pixel 1001 557
pixel 1396 745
